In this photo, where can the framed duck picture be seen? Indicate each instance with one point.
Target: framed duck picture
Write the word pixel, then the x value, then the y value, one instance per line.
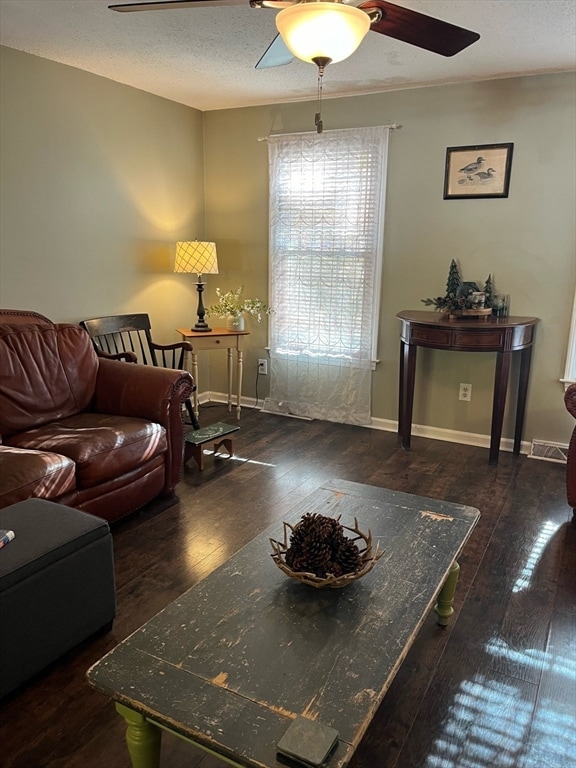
pixel 479 171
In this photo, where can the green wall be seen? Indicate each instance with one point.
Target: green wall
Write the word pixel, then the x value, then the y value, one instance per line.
pixel 99 180
pixel 525 241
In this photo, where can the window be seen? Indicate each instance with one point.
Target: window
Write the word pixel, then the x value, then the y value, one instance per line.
pixel 326 232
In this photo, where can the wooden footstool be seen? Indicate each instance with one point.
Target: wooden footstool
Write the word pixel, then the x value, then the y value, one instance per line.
pixel 219 433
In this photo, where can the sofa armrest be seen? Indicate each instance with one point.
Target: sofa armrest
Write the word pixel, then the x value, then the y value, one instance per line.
pixel 151 393
pixel 570 399
pixel 570 402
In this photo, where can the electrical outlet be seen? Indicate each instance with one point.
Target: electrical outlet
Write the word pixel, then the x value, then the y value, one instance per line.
pixel 263 367
pixel 465 392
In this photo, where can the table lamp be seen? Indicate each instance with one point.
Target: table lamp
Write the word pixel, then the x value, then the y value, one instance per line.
pixel 199 257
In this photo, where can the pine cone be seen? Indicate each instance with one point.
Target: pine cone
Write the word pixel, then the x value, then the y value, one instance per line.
pixel 317 554
pixel 312 544
pixel 335 569
pixel 299 564
pixel 331 530
pixel 348 557
pixel 302 530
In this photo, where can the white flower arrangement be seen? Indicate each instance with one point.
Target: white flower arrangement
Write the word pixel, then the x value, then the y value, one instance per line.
pixel 233 303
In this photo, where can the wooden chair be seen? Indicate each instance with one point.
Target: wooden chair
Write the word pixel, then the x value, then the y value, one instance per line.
pixel 129 337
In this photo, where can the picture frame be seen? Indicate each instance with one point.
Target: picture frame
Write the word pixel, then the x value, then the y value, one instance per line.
pixel 482 170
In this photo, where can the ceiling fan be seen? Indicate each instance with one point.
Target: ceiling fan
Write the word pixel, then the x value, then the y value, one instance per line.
pixel 350 18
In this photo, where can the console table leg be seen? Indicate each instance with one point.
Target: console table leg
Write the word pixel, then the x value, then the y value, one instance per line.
pixel 406 394
pixel 444 607
pixel 401 389
pixel 239 376
pixel 229 373
pixel 500 388
pixel 142 739
pixel 525 358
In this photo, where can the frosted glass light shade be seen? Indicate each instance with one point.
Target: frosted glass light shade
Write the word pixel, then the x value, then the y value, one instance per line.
pixel 196 256
pixel 325 30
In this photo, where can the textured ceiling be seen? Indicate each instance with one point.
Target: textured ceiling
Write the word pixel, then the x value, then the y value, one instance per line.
pixel 205 57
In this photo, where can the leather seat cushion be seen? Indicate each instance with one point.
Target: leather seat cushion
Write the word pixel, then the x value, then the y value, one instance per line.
pixel 102 446
pixel 25 473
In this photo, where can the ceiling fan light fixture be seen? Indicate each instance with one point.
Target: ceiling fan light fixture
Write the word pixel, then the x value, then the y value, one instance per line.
pixel 329 30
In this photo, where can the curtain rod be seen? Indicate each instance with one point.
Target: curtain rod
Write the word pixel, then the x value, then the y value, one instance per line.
pixel 392 126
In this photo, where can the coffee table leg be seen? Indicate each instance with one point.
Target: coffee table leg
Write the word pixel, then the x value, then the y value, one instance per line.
pixel 444 607
pixel 142 739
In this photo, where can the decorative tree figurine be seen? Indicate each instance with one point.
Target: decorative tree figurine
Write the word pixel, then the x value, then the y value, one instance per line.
pixel 489 291
pixel 454 280
pixel 452 300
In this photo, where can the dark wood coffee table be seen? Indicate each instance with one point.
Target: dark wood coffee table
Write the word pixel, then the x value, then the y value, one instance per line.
pixel 234 660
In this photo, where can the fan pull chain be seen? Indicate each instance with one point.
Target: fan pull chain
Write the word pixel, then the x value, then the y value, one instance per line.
pixel 321 62
pixel 318 115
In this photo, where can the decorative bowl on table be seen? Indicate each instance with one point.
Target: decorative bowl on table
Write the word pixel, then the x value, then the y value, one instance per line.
pixel 317 552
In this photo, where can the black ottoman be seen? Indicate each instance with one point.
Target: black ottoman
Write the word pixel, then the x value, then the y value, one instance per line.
pixel 56 585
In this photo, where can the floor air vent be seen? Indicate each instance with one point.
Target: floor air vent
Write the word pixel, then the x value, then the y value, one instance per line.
pixel 548 451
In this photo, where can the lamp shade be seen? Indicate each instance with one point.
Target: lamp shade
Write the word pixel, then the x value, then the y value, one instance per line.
pixel 322 30
pixel 196 256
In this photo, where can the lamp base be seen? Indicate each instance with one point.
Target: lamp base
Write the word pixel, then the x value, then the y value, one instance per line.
pixel 203 326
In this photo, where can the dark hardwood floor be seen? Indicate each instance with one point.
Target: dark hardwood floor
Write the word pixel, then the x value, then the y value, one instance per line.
pixel 496 689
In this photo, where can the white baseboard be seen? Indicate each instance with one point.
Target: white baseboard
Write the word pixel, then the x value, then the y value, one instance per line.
pixel 451 435
pixel 222 398
pixel 389 425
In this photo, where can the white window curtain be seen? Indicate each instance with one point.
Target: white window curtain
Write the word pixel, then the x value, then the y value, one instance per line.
pixel 570 372
pixel 327 195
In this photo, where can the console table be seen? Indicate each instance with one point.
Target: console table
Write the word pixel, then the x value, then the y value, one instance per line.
pixel 218 338
pixel 503 335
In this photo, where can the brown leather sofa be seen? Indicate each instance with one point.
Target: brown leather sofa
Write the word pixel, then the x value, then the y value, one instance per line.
pixel 570 401
pixel 99 435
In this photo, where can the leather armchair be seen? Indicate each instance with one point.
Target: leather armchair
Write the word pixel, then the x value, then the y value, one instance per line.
pixel 570 401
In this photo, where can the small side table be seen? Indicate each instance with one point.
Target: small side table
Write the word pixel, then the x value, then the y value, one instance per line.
pixel 218 338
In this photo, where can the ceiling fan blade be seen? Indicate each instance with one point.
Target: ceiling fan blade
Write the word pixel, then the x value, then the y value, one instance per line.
pixel 276 55
pixel 166 5
pixel 418 29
